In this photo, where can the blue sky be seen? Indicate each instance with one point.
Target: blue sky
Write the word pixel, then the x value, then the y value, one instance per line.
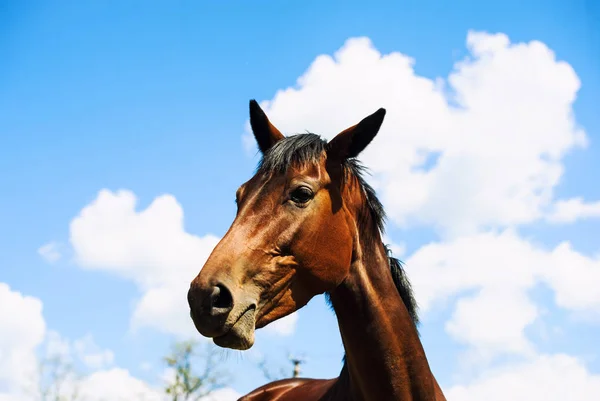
pixel 153 98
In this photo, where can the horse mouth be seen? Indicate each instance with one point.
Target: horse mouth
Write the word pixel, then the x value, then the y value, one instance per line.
pixel 241 334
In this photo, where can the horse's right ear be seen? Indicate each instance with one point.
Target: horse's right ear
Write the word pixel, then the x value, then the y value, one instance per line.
pixel 351 141
pixel 265 133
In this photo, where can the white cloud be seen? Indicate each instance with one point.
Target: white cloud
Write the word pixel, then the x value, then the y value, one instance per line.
pixel 575 279
pixel 284 326
pixel 55 346
pixel 544 378
pixel 439 270
pixel 493 321
pixel 474 155
pixel 91 354
pixel 22 329
pixel 117 384
pixel 481 149
pixel 149 247
pixel 84 350
pixel 492 275
pixel 98 380
pixel 102 382
pixel 50 252
pixel 22 332
pixel 165 309
pixel 568 211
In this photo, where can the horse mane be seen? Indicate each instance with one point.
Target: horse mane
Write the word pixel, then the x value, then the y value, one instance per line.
pixel 309 148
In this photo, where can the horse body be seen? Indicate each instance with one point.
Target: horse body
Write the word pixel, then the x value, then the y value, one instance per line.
pixel 298 389
pixel 295 389
pixel 307 224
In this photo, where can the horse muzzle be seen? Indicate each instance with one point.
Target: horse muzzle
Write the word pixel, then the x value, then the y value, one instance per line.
pixel 216 315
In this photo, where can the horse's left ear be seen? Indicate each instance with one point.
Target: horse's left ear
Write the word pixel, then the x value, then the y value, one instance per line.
pixel 350 142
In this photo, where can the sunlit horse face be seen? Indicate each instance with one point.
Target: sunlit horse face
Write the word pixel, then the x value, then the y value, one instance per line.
pixel 292 238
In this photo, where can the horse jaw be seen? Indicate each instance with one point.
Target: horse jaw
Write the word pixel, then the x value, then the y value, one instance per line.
pixel 241 335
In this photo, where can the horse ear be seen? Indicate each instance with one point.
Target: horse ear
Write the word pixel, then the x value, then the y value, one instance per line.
pixel 265 133
pixel 350 142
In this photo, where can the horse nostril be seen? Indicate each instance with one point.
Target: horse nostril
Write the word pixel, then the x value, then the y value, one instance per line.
pixel 221 298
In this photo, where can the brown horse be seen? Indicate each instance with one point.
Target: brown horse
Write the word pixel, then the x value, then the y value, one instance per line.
pixel 307 223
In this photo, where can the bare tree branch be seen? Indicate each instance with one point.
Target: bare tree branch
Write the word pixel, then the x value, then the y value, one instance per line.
pixel 283 373
pixel 58 380
pixel 186 384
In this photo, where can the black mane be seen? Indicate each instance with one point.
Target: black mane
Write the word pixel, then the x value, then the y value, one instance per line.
pixel 309 148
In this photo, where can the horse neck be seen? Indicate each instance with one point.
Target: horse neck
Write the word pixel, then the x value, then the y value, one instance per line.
pixel 385 359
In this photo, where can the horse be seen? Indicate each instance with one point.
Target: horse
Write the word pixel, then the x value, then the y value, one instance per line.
pixel 307 223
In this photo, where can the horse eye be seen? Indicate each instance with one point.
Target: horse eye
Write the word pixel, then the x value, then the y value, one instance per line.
pixel 301 195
